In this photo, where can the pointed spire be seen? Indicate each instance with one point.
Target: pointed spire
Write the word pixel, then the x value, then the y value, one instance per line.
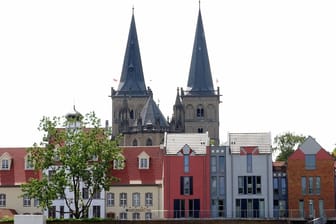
pixel 132 80
pixel 151 114
pixel 200 78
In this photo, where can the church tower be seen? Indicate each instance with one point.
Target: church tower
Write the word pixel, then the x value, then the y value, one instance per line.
pixel 200 100
pixel 135 115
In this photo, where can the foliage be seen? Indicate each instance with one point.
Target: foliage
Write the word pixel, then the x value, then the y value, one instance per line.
pixel 286 144
pixel 74 157
pixel 333 153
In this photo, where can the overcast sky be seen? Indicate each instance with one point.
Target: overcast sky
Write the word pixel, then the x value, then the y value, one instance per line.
pixel 275 61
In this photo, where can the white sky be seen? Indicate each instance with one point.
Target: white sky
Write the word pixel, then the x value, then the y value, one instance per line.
pixel 275 61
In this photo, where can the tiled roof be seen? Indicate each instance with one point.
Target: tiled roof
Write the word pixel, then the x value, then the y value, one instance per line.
pixel 132 173
pixel 16 174
pixel 196 141
pixel 261 140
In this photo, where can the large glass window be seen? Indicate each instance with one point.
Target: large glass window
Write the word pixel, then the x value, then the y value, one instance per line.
pixel 249 185
pixel 213 164
pixel 123 215
pixel 303 185
pixel 275 186
pixel 221 160
pixel 310 161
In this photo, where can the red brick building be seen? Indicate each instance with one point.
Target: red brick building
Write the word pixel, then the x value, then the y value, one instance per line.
pixel 311 190
pixel 187 176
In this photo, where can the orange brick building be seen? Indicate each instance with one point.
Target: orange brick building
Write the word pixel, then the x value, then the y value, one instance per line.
pixel 311 186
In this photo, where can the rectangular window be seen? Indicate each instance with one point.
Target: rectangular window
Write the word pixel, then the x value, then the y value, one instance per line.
pixel 241 185
pixel 52 212
pixel 118 164
pixel 310 161
pixel 311 209
pixel 51 174
pixel 143 163
pixel 249 185
pixel 123 199
pixel 179 208
pixel 283 186
pixel 321 208
pixel 5 164
pixel 317 185
pixel 249 162
pixel 110 199
pixel 29 163
pixel 96 211
pixel 213 164
pixel 221 160
pixel 136 199
pixel 303 185
pixel 258 184
pixel 2 200
pixel 85 193
pixel 221 186
pixel 62 212
pixel 148 215
pixel 194 208
pixel 96 194
pixel 149 199
pixel 123 215
pixel 186 187
pixel 301 208
pixel 214 186
pixel 275 186
pixel 136 216
pixel 310 185
pixel 186 163
pixel 36 203
pixel 26 201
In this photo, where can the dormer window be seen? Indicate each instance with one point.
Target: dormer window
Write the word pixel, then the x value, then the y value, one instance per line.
pixel 29 165
pixel 143 159
pixel 119 164
pixel 5 161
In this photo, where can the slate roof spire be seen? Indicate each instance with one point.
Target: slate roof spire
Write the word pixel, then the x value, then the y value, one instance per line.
pixel 200 78
pixel 132 80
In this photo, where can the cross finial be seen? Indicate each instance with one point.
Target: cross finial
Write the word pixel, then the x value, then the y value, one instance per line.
pixel 199 4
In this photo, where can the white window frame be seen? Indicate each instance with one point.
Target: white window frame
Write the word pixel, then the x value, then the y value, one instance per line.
pixel 26 201
pixel 2 200
pixel 136 199
pixel 110 199
pixel 143 159
pixel 149 199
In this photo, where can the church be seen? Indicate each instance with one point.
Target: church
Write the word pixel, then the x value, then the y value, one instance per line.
pixel 137 117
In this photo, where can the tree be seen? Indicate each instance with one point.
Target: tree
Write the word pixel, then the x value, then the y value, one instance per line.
pixel 75 158
pixel 286 144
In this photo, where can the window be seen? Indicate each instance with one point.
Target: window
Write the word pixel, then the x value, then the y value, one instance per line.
pixel 52 212
pixel 123 199
pixel 96 194
pixel 258 185
pixel 303 185
pixel 283 186
pixel 2 200
pixel 110 199
pixel 136 199
pixel 28 162
pixel 179 208
pixel 135 142
pixel 26 201
pixel 199 130
pixel 310 161
pixel 241 185
pixel 249 162
pixel 123 215
pixel 275 186
pixel 221 185
pixel 213 164
pixel 5 164
pixel 143 163
pixel 311 209
pixel 148 215
pixel 221 160
pixel 186 163
pixel 51 173
pixel 36 202
pixel 96 211
pixel 301 208
pixel 149 142
pixel 250 208
pixel 149 199
pixel 136 216
pixel 194 208
pixel 118 164
pixel 310 185
pixel 186 185
pixel 249 185
pixel 213 185
pixel 62 212
pixel 200 111
pixel 321 208
pixel 85 193
pixel 317 185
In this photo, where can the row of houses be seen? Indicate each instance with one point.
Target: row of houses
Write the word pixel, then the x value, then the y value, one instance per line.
pixel 187 178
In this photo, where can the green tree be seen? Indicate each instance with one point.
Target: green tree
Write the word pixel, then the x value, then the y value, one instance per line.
pixel 75 155
pixel 286 144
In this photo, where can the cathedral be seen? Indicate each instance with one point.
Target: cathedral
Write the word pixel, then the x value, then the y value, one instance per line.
pixel 137 117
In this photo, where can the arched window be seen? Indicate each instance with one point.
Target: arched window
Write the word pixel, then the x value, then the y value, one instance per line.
pixel 149 142
pixel 135 142
pixel 131 114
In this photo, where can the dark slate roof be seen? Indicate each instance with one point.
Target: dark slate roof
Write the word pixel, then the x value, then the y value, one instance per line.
pixel 132 80
pixel 200 79
pixel 151 113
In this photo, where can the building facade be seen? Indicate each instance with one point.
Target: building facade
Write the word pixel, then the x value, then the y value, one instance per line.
pixel 249 186
pixel 311 185
pixel 280 190
pixel 186 176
